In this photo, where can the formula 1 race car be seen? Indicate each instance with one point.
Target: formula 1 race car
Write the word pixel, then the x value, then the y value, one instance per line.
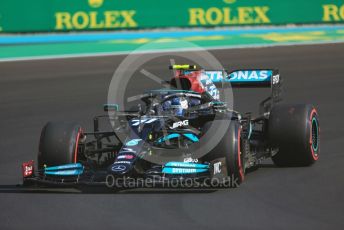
pixel 185 132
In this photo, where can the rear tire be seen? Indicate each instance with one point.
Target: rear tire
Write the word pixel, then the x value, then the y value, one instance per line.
pixel 294 131
pixel 58 144
pixel 229 148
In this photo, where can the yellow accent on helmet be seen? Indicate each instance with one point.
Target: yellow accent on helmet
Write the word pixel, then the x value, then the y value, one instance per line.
pixel 183 67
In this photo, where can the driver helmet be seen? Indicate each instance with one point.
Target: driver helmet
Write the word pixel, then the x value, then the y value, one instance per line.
pixel 177 106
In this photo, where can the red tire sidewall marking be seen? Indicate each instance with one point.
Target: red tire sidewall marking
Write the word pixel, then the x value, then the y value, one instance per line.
pixel 314 155
pixel 76 146
pixel 241 171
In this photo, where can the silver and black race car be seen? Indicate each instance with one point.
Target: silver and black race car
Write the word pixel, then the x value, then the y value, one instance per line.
pixel 184 133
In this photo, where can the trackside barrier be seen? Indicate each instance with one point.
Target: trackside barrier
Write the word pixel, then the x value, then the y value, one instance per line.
pixel 88 15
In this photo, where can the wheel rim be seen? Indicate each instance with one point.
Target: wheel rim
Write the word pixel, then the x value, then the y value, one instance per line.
pixel 315 134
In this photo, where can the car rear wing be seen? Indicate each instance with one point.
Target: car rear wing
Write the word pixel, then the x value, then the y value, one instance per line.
pixel 243 78
pixel 251 78
pixel 237 78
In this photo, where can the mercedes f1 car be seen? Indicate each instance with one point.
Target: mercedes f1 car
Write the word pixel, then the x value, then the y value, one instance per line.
pixel 185 132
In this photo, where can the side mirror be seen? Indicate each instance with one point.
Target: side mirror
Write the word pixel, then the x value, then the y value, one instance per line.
pixel 110 107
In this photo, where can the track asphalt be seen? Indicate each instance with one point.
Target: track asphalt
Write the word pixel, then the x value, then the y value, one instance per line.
pixel 34 92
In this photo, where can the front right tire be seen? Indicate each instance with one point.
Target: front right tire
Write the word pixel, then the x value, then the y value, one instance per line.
pixel 229 148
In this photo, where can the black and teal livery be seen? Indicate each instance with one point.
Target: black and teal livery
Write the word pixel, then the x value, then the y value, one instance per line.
pixel 181 133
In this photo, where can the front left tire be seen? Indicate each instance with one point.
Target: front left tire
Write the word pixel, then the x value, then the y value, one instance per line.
pixel 58 144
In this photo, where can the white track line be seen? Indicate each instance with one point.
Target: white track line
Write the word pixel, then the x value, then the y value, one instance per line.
pixel 104 54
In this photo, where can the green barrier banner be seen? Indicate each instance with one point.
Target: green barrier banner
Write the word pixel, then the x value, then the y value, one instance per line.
pixel 87 15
